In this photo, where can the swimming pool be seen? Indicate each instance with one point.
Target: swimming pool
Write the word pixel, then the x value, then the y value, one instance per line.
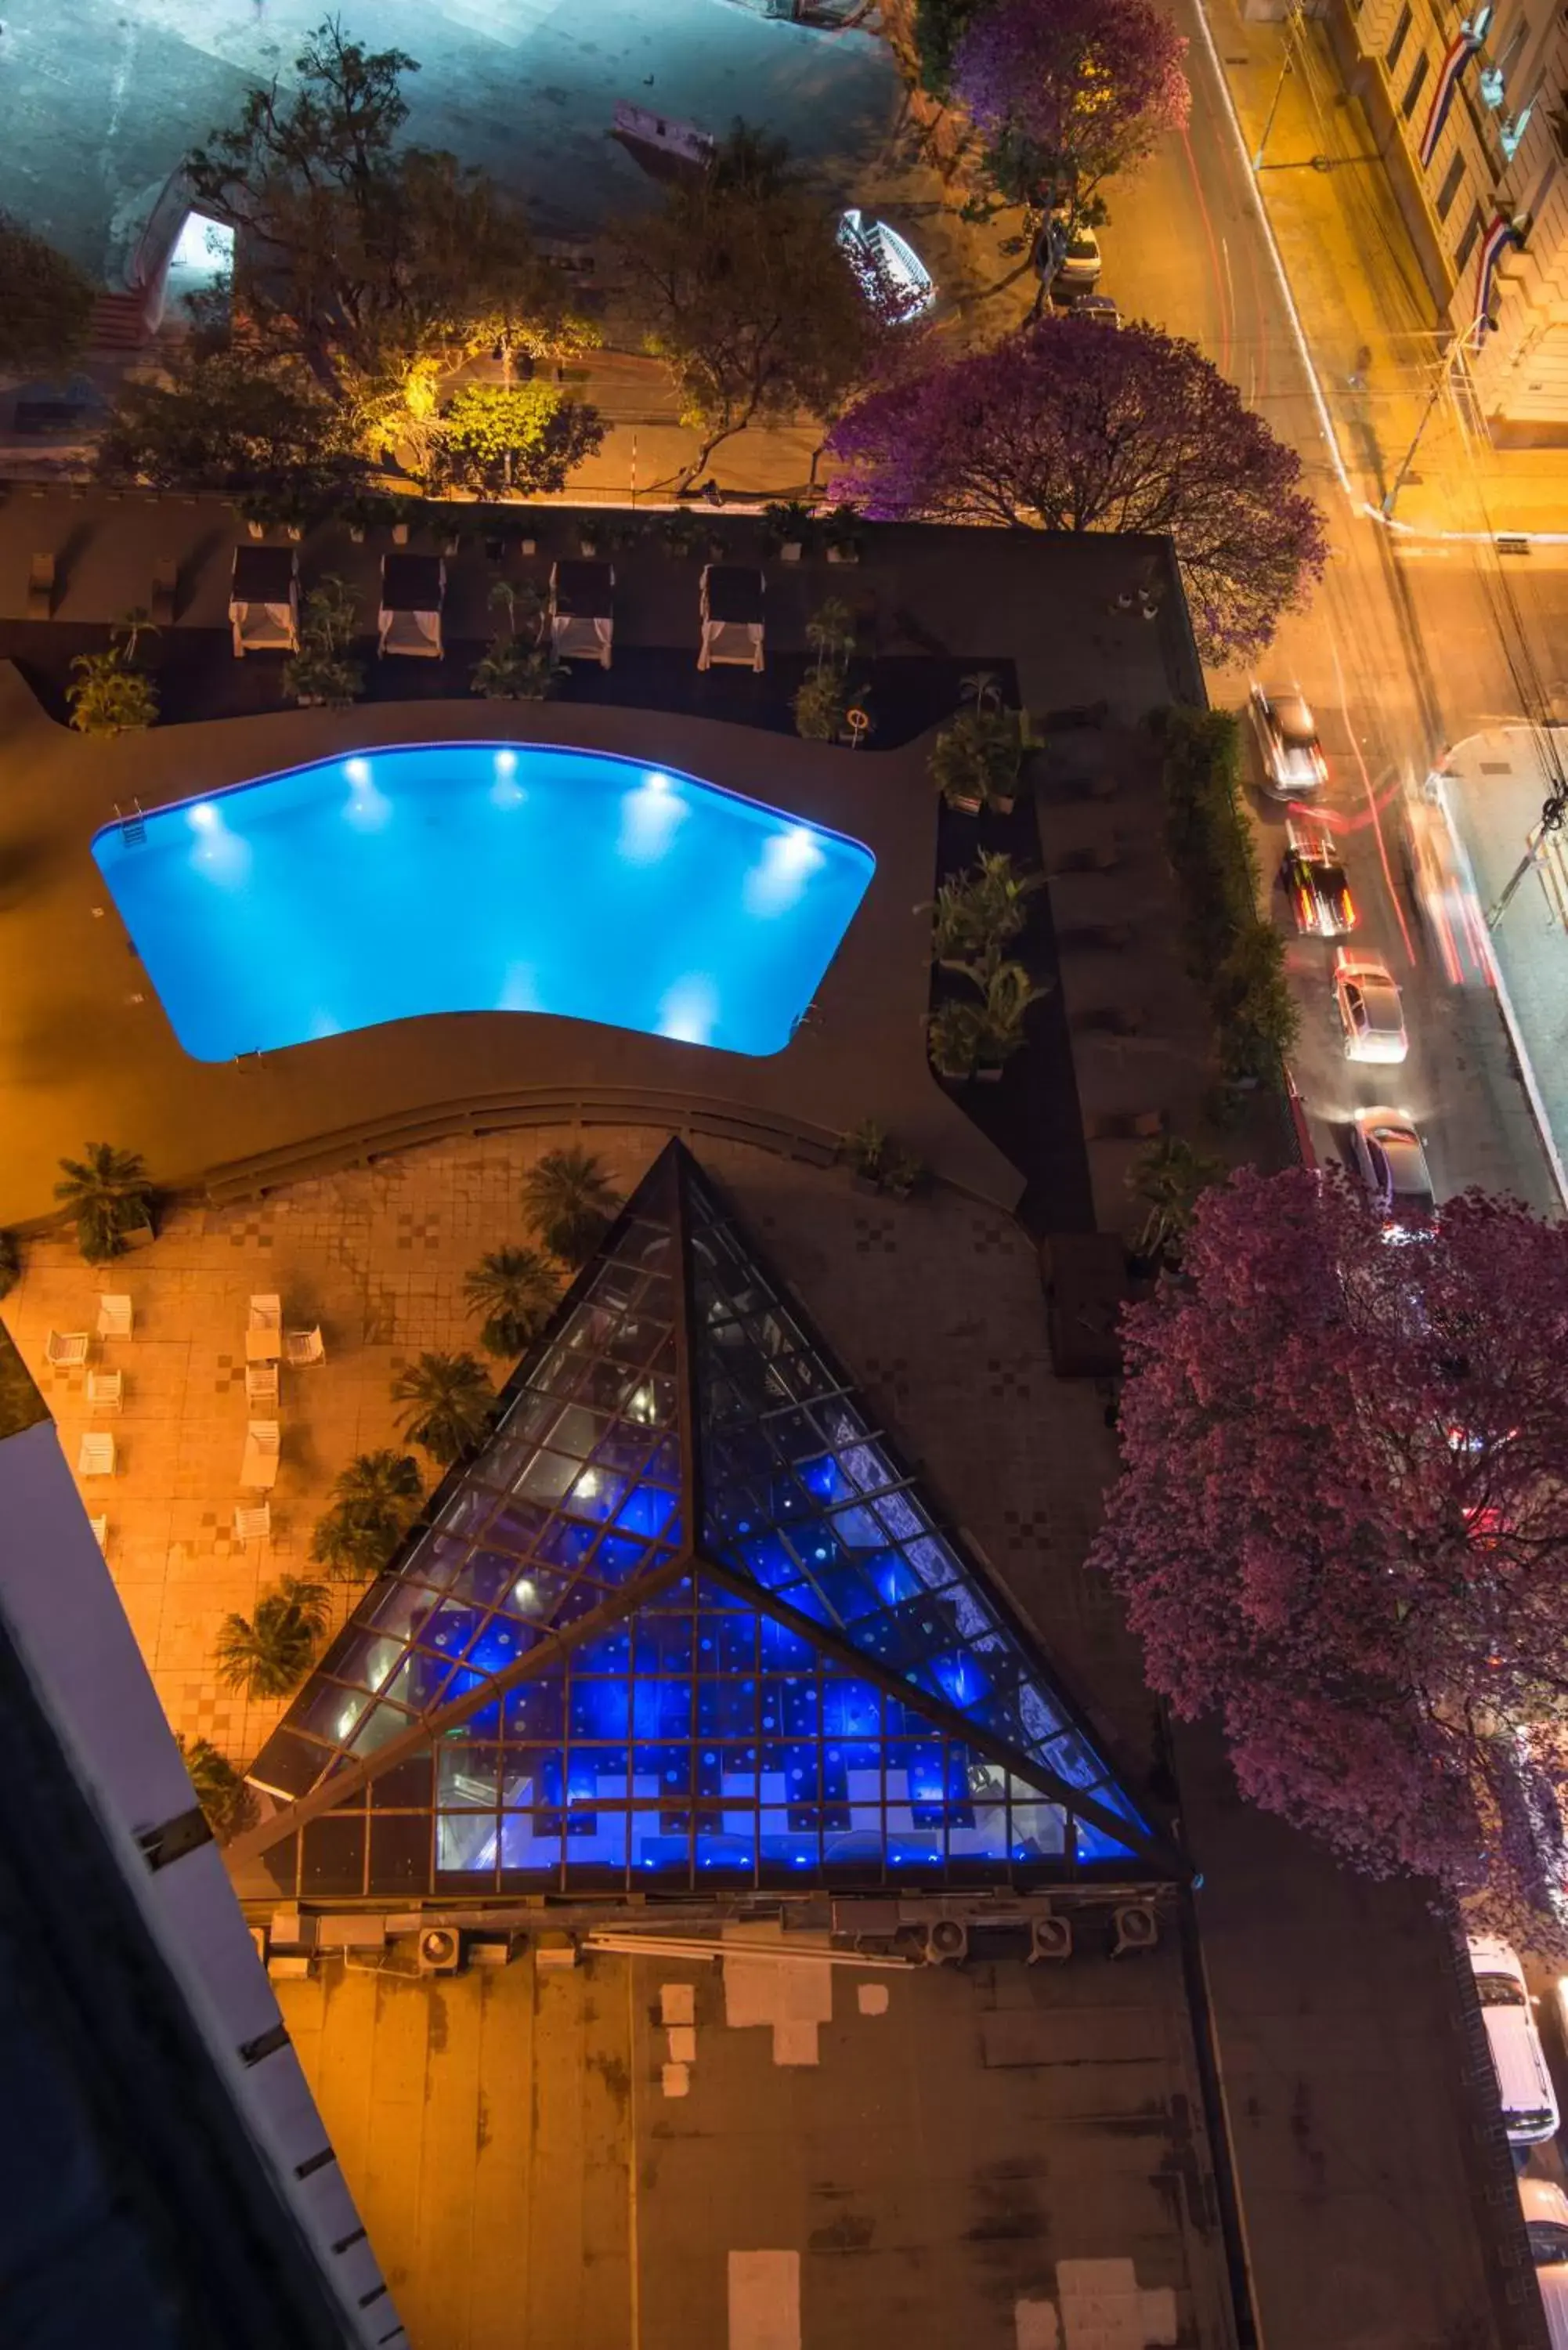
pixel 481 876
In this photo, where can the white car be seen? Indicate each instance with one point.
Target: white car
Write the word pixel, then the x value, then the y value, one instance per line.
pixel 1077 257
pixel 1545 2208
pixel 1369 1013
pixel 1523 2084
pixel 1392 1164
pixel 1293 763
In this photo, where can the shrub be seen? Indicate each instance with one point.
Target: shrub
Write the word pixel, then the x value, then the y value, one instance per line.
pixel 108 697
pixel 819 704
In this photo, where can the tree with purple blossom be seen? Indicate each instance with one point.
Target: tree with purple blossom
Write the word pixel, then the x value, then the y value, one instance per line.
pixel 1342 1525
pixel 1070 426
pixel 1066 93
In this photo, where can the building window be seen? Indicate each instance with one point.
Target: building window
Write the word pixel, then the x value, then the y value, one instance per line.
pixel 1408 104
pixel 1396 49
pixel 1450 187
pixel 1470 238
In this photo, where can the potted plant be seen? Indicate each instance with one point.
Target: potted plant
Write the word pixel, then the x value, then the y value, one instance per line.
pixel 864 1146
pixel 904 1172
pixel 841 532
pixel 819 703
pixel 108 697
pixel 1007 991
pixel 365 511
pixel 682 531
pixel 789 525
pixel 952 1040
pixel 320 676
pixel 959 768
pixel 108 1192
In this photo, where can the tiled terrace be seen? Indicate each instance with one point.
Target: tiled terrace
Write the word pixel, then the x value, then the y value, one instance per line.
pixel 934 1304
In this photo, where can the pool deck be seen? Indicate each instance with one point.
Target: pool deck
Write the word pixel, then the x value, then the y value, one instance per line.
pixel 90 1052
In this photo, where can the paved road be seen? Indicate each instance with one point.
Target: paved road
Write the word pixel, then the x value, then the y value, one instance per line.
pixel 1398 654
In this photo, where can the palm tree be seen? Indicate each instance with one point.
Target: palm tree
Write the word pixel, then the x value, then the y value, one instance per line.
pixel 450 1404
pixel 572 1200
pixel 131 626
pixel 830 633
pixel 515 1289
pixel 108 1192
pixel 1169 1177
pixel 269 1654
pixel 219 1788
pixel 984 688
pixel 374 1501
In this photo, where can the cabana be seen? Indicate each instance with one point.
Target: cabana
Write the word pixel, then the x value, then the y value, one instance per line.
pixel 582 611
pixel 730 602
pixel 413 590
pixel 263 600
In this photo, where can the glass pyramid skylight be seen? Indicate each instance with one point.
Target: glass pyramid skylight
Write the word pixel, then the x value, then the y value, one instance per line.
pixel 684 1620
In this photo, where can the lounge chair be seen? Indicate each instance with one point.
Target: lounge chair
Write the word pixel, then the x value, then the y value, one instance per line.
pixel 413 590
pixel 114 1317
pixel 729 604
pixel 582 611
pixel 252 1524
pixel 41 588
pixel 99 1532
pixel 261 1382
pixel 301 1347
pixel 165 587
pixel 258 1468
pixel 264 1331
pixel 66 1350
pixel 105 1390
pixel 263 600
pixel 95 1457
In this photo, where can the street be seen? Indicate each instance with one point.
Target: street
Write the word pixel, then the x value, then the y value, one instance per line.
pixel 1400 654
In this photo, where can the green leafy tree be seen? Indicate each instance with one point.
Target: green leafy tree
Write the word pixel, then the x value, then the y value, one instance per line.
pixel 375 1501
pixel 516 1290
pixel 524 437
pixel 572 1200
pixel 448 1405
pixel 221 1790
pixel 45 305
pixel 269 1654
pixel 108 1192
pixel 108 697
pixel 364 256
pixel 745 294
pixel 230 416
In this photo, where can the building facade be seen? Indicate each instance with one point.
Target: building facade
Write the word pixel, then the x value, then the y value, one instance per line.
pixel 1469 111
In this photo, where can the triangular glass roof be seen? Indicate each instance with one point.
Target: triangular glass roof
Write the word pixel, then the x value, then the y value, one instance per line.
pixel 685 1620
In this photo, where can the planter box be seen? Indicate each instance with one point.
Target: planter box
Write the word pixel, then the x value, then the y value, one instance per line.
pixel 135 1236
pixel 860 1182
pixel 791 551
pixel 988 1072
pixel 1005 807
pixel 844 555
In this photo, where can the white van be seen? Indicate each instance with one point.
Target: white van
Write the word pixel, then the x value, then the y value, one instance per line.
pixel 1523 2084
pixel 1545 2210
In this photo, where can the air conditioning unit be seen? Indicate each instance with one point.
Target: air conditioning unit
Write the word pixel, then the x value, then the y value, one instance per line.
pixel 947 1942
pixel 1134 1929
pixel 1050 1938
pixel 439 1951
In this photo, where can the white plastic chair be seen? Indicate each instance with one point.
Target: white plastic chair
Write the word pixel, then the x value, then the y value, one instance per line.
pixel 303 1347
pixel 106 1389
pixel 99 1532
pixel 261 1382
pixel 253 1525
pixel 114 1317
pixel 95 1458
pixel 264 1331
pixel 258 1469
pixel 66 1350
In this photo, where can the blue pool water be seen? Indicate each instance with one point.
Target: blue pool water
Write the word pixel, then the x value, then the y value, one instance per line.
pixel 481 877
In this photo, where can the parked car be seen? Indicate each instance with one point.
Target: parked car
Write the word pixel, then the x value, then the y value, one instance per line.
pixel 1098 308
pixel 1316 883
pixel 1523 2084
pixel 1392 1163
pixel 1293 763
pixel 1077 257
pixel 1369 1009
pixel 1545 2210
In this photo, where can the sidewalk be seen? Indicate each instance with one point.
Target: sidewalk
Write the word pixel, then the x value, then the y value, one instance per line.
pixel 1494 784
pixel 1373 332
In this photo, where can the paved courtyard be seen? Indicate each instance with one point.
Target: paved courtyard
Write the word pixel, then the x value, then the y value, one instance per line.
pixel 934 1304
pixel 103 98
